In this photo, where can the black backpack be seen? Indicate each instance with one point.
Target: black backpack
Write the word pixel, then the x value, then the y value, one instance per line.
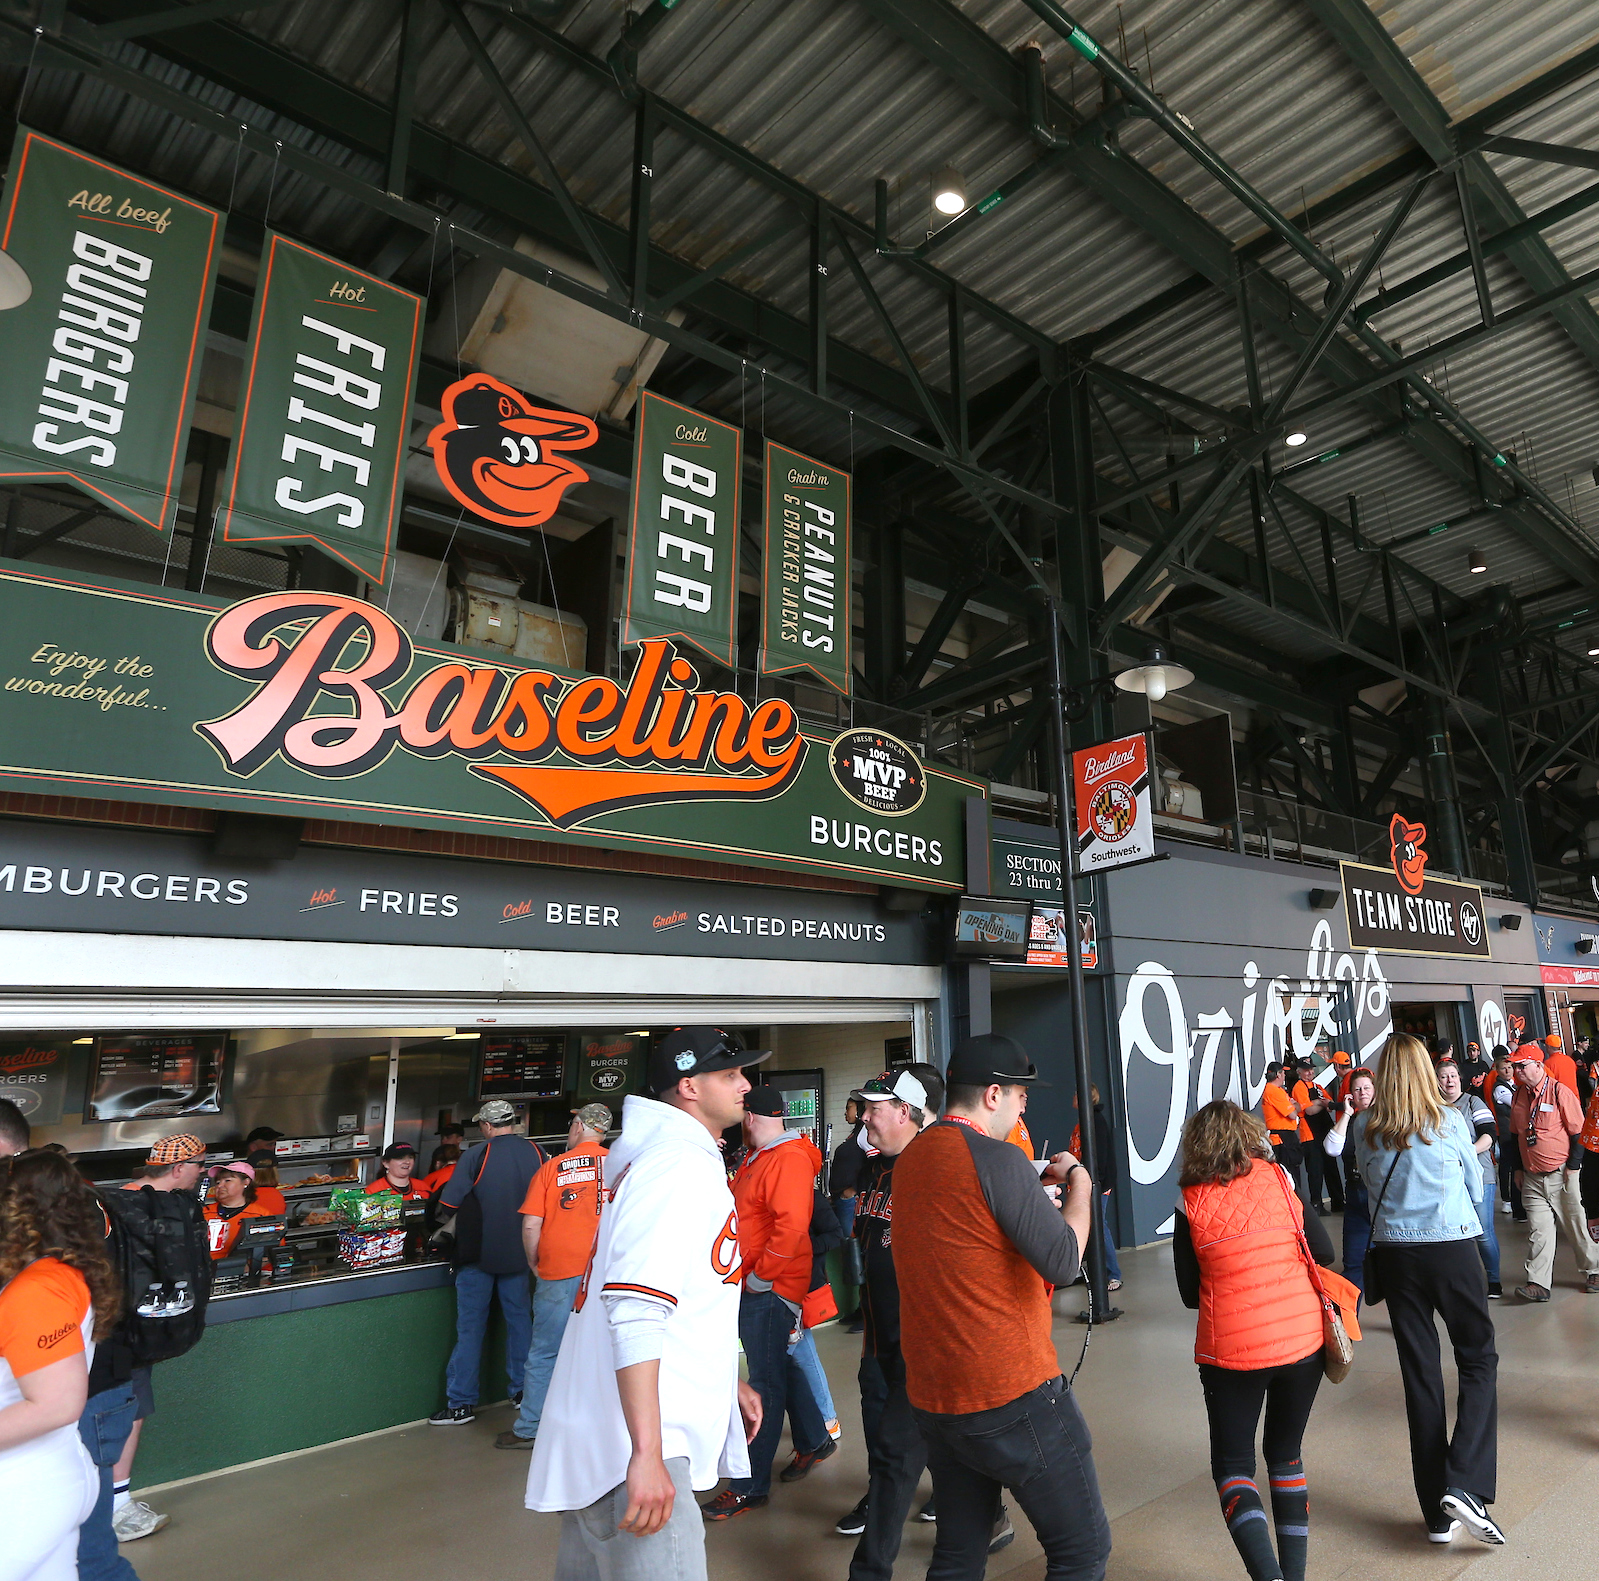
pixel 160 1249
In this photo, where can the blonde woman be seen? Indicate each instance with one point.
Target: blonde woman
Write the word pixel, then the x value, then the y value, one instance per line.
pixel 1420 1165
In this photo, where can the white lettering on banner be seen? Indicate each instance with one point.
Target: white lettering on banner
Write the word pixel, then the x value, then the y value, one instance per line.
pixel 862 837
pixel 105 301
pixel 791 927
pixel 671 587
pixel 409 903
pixel 354 390
pixel 1154 1030
pixel 1095 769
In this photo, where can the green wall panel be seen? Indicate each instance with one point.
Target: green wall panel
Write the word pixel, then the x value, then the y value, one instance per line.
pixel 268 1385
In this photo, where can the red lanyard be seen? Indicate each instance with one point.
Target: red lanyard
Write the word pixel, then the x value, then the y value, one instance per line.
pixel 971 1125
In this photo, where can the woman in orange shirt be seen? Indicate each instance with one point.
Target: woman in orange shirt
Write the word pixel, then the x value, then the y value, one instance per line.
pixel 1241 1245
pixel 58 1295
pixel 233 1200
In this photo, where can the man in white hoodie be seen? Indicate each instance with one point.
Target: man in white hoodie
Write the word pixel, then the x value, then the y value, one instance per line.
pixel 645 1405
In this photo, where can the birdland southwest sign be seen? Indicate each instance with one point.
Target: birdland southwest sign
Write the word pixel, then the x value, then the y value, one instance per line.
pixel 317 703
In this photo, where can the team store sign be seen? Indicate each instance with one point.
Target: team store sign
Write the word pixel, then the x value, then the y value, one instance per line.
pixel 318 702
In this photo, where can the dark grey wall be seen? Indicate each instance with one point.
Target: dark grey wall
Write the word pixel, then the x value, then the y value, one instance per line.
pixel 1205 945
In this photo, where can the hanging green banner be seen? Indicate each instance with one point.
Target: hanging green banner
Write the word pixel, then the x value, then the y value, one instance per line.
pixel 682 556
pixel 102 359
pixel 325 415
pixel 806 613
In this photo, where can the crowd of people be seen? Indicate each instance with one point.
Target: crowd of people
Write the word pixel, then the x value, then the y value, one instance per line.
pixel 702 1233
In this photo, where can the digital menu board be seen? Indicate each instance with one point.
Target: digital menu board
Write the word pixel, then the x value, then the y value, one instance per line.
pixel 522 1065
pixel 156 1074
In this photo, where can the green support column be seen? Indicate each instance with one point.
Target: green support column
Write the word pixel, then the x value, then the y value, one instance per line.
pixel 884 590
pixel 1513 827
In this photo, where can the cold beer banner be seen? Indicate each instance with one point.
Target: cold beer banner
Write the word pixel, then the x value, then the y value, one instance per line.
pixel 325 413
pixel 806 615
pixel 682 555
pixel 1115 815
pixel 101 360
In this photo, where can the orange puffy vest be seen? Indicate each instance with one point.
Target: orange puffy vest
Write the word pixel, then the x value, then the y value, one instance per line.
pixel 1257 1307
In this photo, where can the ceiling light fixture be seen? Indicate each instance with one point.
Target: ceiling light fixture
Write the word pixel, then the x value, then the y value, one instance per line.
pixel 1475 562
pixel 949 191
pixel 1593 652
pixel 1155 677
pixel 1296 438
pixel 15 286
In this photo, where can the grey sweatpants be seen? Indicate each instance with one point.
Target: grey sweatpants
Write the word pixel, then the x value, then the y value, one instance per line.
pixel 592 1549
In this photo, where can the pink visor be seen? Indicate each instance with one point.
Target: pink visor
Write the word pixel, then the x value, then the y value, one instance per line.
pixel 247 1170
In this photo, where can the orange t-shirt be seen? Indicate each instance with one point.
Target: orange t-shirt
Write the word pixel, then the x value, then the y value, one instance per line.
pixel 1277 1110
pixel 1021 1136
pixel 222 1233
pixel 566 1195
pixel 1302 1096
pixel 1563 1068
pixel 412 1191
pixel 41 1316
pixel 271 1199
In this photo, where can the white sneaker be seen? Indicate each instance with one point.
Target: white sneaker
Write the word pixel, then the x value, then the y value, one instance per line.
pixel 1504 1208
pixel 1446 1535
pixel 135 1520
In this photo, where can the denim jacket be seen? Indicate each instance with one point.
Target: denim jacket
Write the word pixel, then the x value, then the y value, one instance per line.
pixel 1434 1189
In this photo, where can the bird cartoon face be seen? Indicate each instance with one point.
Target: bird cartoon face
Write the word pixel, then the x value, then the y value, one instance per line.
pixel 1409 852
pixel 501 457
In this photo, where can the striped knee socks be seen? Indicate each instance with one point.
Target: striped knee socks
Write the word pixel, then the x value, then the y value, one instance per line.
pixel 1290 1509
pixel 1247 1526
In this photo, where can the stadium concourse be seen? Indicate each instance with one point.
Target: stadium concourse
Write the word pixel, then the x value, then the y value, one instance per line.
pixel 446 1503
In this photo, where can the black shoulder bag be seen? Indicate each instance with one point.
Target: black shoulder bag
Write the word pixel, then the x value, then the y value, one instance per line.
pixel 1371 1285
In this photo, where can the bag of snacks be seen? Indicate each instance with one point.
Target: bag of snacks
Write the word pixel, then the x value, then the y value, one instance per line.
pixel 370 1249
pixel 382 1210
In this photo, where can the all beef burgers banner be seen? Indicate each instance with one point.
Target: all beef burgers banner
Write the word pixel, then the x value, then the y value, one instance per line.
pixel 323 419
pixel 807 608
pixel 312 702
pixel 101 360
pixel 682 554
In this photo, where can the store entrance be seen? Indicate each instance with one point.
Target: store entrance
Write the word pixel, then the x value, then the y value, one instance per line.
pixel 1435 1022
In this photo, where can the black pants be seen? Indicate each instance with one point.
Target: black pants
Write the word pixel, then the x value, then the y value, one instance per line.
pixel 895 1458
pixel 1291 1156
pixel 1038 1447
pixel 1323 1172
pixel 1233 1401
pixel 1444 1278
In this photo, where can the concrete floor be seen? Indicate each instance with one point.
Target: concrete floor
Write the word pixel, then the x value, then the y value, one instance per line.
pixel 423 1501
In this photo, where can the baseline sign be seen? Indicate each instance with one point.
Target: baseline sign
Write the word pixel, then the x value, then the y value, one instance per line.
pixel 312 702
pixel 102 360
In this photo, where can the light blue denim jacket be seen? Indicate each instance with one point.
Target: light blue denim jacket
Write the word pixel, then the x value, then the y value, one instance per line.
pixel 1434 1190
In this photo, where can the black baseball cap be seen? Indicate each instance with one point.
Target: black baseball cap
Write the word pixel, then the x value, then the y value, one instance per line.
pixel 764 1099
pixel 692 1051
pixel 990 1057
pixel 264 1133
pixel 398 1150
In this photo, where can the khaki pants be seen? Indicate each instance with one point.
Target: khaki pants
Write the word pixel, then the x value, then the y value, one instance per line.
pixel 1550 1200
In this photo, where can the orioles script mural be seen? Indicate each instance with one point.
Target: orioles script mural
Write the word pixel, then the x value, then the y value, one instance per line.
pixel 317 702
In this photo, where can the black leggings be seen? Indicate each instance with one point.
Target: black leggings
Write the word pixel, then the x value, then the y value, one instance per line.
pixel 1233 1400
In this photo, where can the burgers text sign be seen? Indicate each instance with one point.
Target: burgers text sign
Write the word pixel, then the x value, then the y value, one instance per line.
pixel 313 701
pixel 102 359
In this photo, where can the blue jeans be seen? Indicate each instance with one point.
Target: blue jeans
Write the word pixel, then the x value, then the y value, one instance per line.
pixel 764 1324
pixel 1357 1232
pixel 810 1364
pixel 104 1427
pixel 1112 1267
pixel 474 1291
pixel 1488 1241
pixel 552 1306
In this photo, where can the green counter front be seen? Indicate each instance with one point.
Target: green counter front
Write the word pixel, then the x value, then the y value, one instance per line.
pixel 293 1368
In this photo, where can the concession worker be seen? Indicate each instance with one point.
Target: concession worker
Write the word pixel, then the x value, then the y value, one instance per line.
pixel 233 1200
pixel 399 1163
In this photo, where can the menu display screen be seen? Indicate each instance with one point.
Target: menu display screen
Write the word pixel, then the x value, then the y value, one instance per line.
pixel 156 1074
pixel 522 1065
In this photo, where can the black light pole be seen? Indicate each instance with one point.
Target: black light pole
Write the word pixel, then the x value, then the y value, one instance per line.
pixel 1100 1309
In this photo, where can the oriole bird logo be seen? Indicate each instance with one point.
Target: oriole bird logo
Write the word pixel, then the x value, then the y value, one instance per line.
pixel 500 456
pixel 1409 853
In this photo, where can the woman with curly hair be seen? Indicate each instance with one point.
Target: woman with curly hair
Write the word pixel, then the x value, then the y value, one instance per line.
pixel 1240 1246
pixel 58 1295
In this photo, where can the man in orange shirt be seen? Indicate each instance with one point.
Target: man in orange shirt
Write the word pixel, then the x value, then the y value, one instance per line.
pixel 1281 1114
pixel 560 1218
pixel 1557 1062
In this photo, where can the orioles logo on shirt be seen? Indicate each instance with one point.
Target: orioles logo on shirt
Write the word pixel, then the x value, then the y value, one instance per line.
pixel 724 1251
